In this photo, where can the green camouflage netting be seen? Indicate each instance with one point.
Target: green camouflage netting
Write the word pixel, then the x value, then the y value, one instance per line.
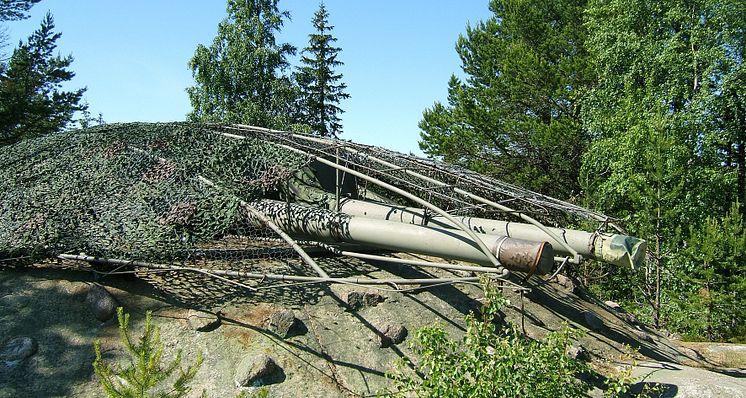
pixel 173 193
pixel 132 190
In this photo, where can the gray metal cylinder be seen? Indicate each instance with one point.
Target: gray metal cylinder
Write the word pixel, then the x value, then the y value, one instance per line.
pixel 611 248
pixel 326 226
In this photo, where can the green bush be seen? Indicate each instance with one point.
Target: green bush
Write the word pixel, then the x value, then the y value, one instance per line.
pixel 145 376
pixel 492 361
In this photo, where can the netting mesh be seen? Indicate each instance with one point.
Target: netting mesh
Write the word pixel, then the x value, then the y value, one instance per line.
pixel 437 182
pixel 172 199
pixel 132 191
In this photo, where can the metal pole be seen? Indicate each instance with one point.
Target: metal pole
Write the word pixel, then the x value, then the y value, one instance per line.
pixel 327 226
pixel 278 277
pixel 421 263
pixel 577 257
pixel 336 182
pixel 612 248
pixel 490 256
pixel 266 221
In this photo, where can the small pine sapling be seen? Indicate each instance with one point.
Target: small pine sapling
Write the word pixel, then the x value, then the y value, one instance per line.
pixel 146 375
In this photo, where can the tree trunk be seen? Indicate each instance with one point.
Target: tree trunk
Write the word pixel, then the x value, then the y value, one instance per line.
pixel 657 305
pixel 710 309
pixel 658 260
pixel 741 160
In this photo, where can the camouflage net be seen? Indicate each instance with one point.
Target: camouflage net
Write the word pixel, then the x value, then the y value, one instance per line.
pixel 161 199
pixel 132 191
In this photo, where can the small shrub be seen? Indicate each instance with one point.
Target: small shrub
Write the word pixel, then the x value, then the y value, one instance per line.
pixel 492 362
pixel 619 383
pixel 145 376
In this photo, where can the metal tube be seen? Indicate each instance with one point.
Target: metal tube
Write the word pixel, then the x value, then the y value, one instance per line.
pixel 331 227
pixel 611 248
pixel 490 256
pixel 460 191
pixel 278 277
pixel 264 221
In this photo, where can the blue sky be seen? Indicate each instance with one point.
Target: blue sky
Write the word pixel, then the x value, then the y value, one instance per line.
pixel 132 55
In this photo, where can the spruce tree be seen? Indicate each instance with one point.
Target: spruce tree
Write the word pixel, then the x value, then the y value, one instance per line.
pixel 239 77
pixel 32 102
pixel 321 87
pixel 148 374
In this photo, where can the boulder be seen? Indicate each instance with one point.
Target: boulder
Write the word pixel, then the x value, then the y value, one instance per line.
pixel 283 323
pixel 255 370
pixel 357 300
pixel 102 304
pixel 18 349
pixel 392 334
pixel 578 353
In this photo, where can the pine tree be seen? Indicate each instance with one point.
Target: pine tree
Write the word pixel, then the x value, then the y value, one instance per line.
pixel 147 375
pixel 13 10
pixel 516 114
pixel 239 78
pixel 321 88
pixel 32 102
pixel 714 269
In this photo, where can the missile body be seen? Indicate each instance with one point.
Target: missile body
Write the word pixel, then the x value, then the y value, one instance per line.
pixel 611 248
pixel 327 226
